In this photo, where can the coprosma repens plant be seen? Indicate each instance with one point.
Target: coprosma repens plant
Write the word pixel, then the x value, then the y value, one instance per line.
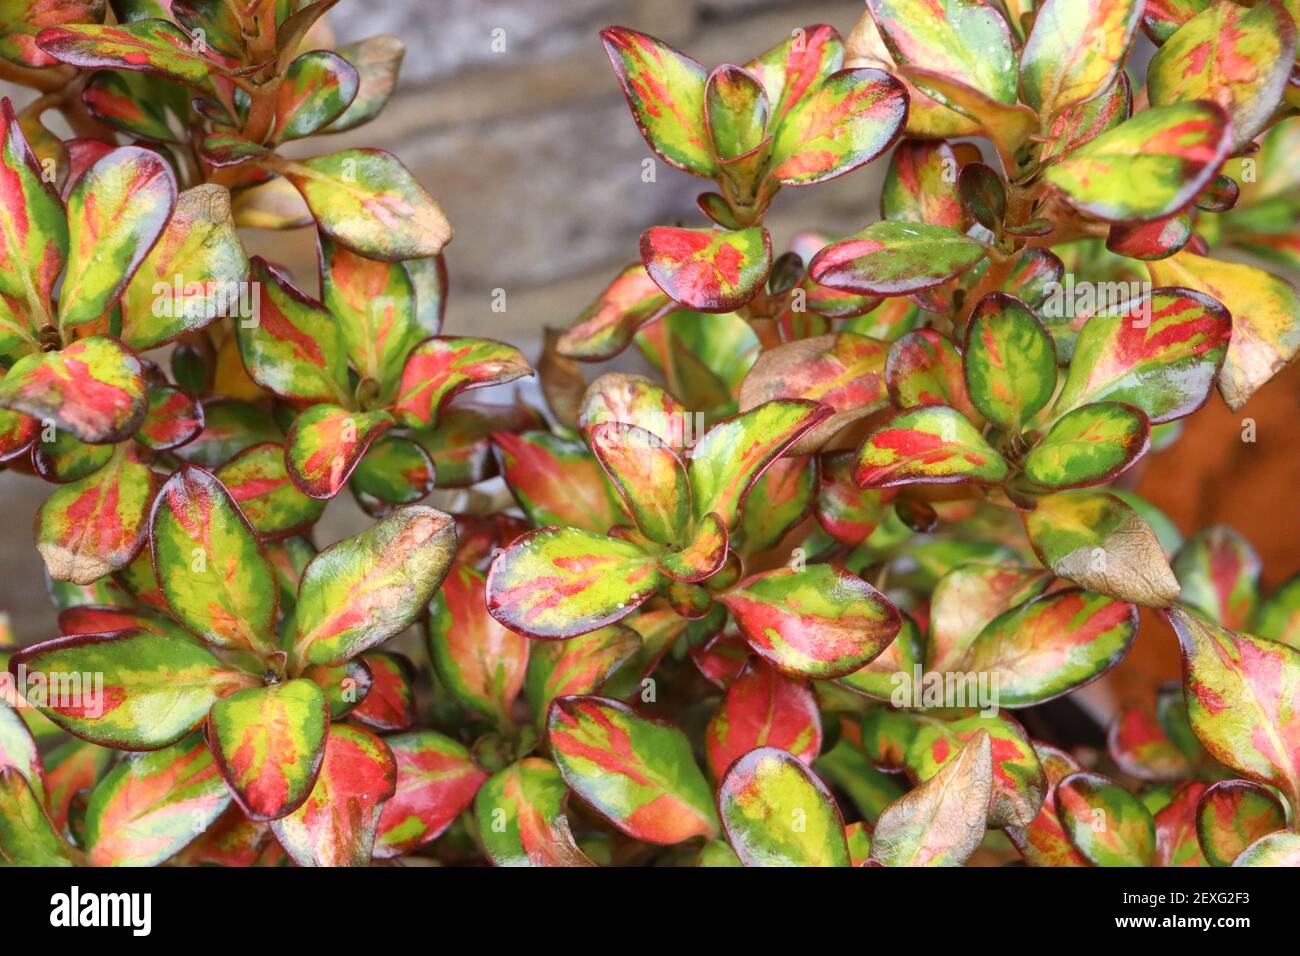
pixel 779 607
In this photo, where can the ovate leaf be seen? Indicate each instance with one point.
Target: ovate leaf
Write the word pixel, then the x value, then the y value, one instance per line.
pixel 777 813
pixel 708 270
pixel 522 821
pixel 895 258
pixel 1091 445
pixel 763 708
pixel 436 780
pixel 1074 52
pixel 931 444
pixel 1109 825
pixel 1010 361
pixel 1232 815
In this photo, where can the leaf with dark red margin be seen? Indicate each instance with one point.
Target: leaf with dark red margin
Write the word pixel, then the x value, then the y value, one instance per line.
pixel 73 766
pixel 436 780
pixel 921 185
pixel 966 599
pixel 942 821
pixel 1243 699
pixel 17 433
pixel 665 91
pixel 156 689
pixel 879 679
pixel 229 427
pixel 1019 782
pixel 637 773
pixel 1075 51
pixel 209 563
pixel 521 814
pixel 395 471
pixel 97 525
pixel 777 503
pixel 649 476
pixel 924 368
pixel 259 484
pixel 606 326
pixel 1009 363
pixel 736 110
pixel 148 46
pixel 152 805
pixel 27 838
pixel 1219 572
pixel 845 121
pixel 1240 59
pixel 1160 353
pixel 295 348
pixel 33 226
pixel 1276 849
pixel 233 840
pixel 735 452
pixel 895 258
pixel 1176 840
pixel 1140 748
pixel 1099 542
pixel 174 418
pixel 1052 645
pixel 1086 121
pixel 201 261
pixel 1085 801
pixel 821 622
pixel 315 91
pixel 634 400
pixel 701 556
pixel 269 742
pixel 326 443
pixel 440 368
pixel 557 482
pixel 845 371
pixel 763 708
pixel 1232 815
pixel 561 582
pixel 776 812
pixel 22 21
pixel 116 212
pixel 579 665
pixel 479 661
pixel 932 444
pixel 337 824
pixel 1157 239
pixel 389 704
pixel 1161 18
pixel 94 389
pixel 1148 167
pixel 1092 445
pixel 369 202
pixel 360 592
pixel 1044 842
pixel 377 60
pixel 708 270
pixel 18 750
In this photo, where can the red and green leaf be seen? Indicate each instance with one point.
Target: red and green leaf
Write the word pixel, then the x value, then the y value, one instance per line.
pixel 1107 824
pixel 821 622
pixel 260 486
pixel 436 780
pixel 1148 167
pixel 925 368
pixel 665 91
pixel 557 482
pixel 649 476
pixel 736 110
pixel 1044 842
pixel 1141 748
pixel 895 258
pixel 33 227
pixel 209 564
pixel 395 471
pixel 1052 645
pixel 315 91
pixel 1075 51
pixel 921 185
pixel 1176 840
pixel 325 445
pixel 606 326
pixel 156 689
pixel 152 805
pixel 762 708
pixel 579 665
pixel 73 766
pixel 174 418
pixel 441 368
pixel 21 21
pixel 637 773
pixel 708 270
pixel 27 838
pixel 337 825
pixel 377 60
pixel 522 821
pixel 1276 849
pixel 360 592
pixel 966 599
pixel 1010 361
pixel 1232 815
pixel 776 812
pixel 561 582
pixel 1243 699
pixel 147 46
pixel 931 444
pixel 1219 572
pixel 1091 445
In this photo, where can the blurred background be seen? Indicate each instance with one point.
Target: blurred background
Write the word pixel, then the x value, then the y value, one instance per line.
pixel 509 114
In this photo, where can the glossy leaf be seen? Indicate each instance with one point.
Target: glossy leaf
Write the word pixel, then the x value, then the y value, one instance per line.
pixel 561 582
pixel 966 599
pixel 33 226
pixel 848 514
pixel 260 486
pixel 777 813
pixel 440 368
pixel 1049 646
pixel 522 821
pixel 377 60
pixel 932 444
pixel 436 780
pixel 1091 445
pixel 1232 815
pixel 155 689
pixel 1147 168
pixel 1140 748
pixel 148 46
pixel 1109 825
pixel 637 773
pixel 1276 849
pixel 895 258
pixel 606 326
pixel 1097 541
pixel 941 822
pixel 649 476
pixel 1176 840
pixel 925 368
pixel 1074 51
pixel 820 622
pixel 557 482
pixel 1219 572
pixel 337 824
pixel 27 837
pixel 921 185
pixel 1242 693
pixel 317 88
pixel 1010 361
pixel 209 565
pixel 1044 842
pixel 360 592
pixel 152 805
pixel 174 418
pixel 579 665
pixel 707 270
pixel 762 708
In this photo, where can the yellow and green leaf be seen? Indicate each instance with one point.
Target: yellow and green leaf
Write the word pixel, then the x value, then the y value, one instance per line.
pixel 521 815
pixel 930 444
pixel 1010 361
